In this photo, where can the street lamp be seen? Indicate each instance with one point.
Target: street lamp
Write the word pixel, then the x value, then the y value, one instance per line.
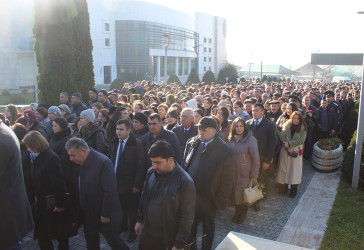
pixel 359 136
pixel 168 38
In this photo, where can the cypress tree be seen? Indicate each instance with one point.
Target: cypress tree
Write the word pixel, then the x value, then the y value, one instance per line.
pixel 221 77
pixel 54 48
pixel 208 77
pixel 193 77
pixel 85 77
pixel 173 78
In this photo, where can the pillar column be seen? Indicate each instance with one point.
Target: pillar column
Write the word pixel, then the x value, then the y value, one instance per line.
pixel 158 68
pixel 189 65
pixel 176 66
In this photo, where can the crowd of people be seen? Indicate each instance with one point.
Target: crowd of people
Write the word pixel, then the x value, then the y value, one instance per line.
pixel 157 160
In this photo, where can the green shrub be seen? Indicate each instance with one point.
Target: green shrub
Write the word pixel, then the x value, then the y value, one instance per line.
pixel 5 92
pixel 208 77
pixel 193 77
pixel 118 83
pixel 350 125
pixel 173 78
pixel 329 143
pixel 17 98
pixel 348 163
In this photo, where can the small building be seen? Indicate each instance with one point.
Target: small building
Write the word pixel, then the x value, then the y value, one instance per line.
pixel 255 71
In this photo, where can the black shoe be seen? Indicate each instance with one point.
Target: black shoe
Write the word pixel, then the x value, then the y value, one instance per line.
pixel 256 207
pixel 242 216
pixel 293 191
pixel 131 237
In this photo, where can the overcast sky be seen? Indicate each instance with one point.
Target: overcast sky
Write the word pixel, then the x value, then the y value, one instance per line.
pixel 283 31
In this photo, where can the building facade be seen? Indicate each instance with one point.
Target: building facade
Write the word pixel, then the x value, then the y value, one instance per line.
pixel 131 39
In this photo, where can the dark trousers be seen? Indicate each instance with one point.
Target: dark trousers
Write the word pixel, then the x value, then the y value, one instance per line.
pixel 264 178
pixel 208 230
pixel 307 152
pixel 45 243
pixel 129 206
pixel 112 237
pixel 16 246
pixel 325 134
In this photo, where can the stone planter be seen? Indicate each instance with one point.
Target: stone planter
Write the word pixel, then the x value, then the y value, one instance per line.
pixel 327 160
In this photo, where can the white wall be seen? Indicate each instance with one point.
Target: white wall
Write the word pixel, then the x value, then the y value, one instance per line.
pixel 211 27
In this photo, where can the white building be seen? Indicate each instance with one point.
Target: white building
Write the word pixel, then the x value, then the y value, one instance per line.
pixel 129 40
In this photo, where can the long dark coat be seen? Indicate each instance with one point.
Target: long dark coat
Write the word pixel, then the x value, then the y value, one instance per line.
pixel 98 193
pixel 132 164
pixel 265 133
pixel 47 178
pixel 15 213
pixel 215 177
pixel 70 170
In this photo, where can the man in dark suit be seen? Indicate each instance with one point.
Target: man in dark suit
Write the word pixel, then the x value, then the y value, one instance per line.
pixel 264 132
pixel 98 195
pixel 129 158
pixel 208 160
pixel 186 130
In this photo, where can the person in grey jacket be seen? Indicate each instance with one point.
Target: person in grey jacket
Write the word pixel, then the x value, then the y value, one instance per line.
pixel 16 216
pixel 246 158
pixel 99 200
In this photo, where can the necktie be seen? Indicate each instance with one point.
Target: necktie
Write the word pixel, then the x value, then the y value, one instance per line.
pixel 120 150
pixel 255 124
pixel 203 146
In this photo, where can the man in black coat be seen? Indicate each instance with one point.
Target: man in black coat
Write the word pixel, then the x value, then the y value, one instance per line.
pixel 104 100
pixel 264 132
pixel 156 133
pixel 99 200
pixel 186 130
pixel 208 160
pixel 129 158
pixel 16 218
pixel 167 205
pixel 77 104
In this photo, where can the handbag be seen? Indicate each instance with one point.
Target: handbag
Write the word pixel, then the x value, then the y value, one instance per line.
pixel 252 194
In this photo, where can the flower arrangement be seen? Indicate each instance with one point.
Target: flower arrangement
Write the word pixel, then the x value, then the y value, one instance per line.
pixel 329 143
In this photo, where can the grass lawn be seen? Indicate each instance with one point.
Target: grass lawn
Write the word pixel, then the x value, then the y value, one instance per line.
pixel 29 98
pixel 345 228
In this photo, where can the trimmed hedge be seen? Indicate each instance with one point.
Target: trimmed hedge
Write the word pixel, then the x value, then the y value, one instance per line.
pixel 348 163
pixel 118 83
pixel 350 125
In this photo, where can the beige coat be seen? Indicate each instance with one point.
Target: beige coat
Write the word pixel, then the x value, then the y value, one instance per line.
pixel 290 168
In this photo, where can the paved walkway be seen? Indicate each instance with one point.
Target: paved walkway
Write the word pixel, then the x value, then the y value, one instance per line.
pixel 307 224
pixel 268 223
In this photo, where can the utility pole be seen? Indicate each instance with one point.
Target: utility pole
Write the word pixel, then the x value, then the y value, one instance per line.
pixel 261 71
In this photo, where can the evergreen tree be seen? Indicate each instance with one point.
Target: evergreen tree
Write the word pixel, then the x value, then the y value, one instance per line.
pixel 221 79
pixel 208 77
pixel 85 77
pixel 193 77
pixel 231 72
pixel 173 78
pixel 233 79
pixel 54 48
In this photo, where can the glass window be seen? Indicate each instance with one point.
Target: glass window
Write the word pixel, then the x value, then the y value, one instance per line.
pixel 205 40
pixel 204 59
pixel 106 27
pixel 209 59
pixel 204 68
pixel 204 49
pixel 210 50
pixel 107 42
pixel 209 40
pixel 107 74
pixel 210 68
